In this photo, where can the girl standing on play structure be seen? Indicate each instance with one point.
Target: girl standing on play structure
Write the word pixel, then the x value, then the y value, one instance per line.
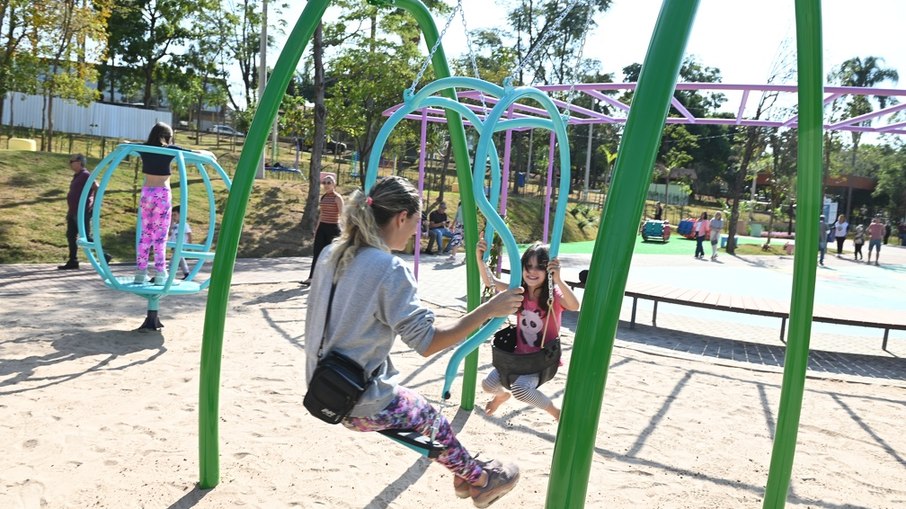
pixel 370 296
pixel 531 317
pixel 155 204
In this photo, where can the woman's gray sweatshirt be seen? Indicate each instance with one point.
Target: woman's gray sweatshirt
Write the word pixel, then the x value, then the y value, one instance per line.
pixel 375 301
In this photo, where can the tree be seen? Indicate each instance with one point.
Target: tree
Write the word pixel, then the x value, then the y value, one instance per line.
pixel 71 41
pixel 866 73
pixel 549 46
pixel 142 33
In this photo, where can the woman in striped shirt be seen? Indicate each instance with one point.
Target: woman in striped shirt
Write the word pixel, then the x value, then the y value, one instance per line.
pixel 331 207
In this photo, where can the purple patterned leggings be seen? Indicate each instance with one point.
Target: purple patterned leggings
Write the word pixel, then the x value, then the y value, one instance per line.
pixel 410 410
pixel 155 206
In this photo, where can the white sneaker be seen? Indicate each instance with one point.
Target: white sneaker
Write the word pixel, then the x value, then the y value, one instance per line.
pixel 161 279
pixel 141 277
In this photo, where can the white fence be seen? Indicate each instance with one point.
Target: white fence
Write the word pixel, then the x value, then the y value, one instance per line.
pixel 95 119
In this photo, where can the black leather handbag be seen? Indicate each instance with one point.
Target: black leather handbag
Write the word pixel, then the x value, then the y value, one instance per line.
pixel 337 384
pixel 335 388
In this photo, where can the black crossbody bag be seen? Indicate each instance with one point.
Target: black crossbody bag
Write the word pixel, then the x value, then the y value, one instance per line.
pixel 338 382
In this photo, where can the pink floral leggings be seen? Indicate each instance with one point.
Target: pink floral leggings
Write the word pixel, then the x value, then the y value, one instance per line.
pixel 155 206
pixel 410 410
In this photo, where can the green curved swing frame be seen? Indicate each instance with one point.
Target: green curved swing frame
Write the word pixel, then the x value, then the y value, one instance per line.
pixel 596 330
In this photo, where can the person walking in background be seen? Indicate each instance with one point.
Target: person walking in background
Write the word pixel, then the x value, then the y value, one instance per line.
pixel 187 238
pixel 887 230
pixel 330 208
pixel 701 229
pixel 658 211
pixel 858 241
pixel 76 186
pixel 840 228
pixel 876 232
pixel 822 239
pixel 717 224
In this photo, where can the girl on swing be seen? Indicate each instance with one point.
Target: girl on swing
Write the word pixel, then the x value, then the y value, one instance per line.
pixel 531 318
pixel 376 293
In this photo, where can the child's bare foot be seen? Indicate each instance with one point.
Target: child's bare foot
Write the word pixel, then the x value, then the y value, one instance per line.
pixel 554 411
pixel 498 400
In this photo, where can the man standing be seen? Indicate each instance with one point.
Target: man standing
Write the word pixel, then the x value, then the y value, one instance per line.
pixel 437 229
pixel 76 185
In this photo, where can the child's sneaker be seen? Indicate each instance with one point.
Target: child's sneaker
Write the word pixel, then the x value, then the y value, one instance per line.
pixel 501 479
pixel 161 279
pixel 141 277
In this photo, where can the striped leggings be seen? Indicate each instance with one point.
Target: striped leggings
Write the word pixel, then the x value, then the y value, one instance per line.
pixel 525 389
pixel 410 410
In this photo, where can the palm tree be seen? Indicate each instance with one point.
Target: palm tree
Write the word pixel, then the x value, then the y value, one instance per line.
pixel 866 73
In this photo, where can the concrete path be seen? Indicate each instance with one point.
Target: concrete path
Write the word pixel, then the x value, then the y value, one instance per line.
pixel 837 351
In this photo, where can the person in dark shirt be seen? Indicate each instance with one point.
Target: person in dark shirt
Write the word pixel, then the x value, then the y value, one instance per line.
pixel 437 229
pixel 76 186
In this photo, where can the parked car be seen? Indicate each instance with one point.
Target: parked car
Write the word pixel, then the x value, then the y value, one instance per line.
pixel 224 129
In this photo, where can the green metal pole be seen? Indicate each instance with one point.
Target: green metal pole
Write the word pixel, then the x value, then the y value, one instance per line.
pixel 609 270
pixel 464 174
pixel 234 213
pixel 228 243
pixel 808 194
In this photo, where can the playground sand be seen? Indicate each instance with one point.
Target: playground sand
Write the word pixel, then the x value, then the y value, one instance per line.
pixel 95 415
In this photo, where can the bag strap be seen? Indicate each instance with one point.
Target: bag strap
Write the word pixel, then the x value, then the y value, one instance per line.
pixel 333 288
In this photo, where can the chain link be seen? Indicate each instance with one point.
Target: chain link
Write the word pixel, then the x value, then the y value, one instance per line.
pixel 570 95
pixel 546 36
pixel 421 72
pixel 465 28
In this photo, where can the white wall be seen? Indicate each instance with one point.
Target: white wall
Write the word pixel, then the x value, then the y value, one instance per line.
pixel 96 118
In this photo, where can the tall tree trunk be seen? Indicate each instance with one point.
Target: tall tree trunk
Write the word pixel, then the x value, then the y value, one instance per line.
pixel 752 137
pixel 310 214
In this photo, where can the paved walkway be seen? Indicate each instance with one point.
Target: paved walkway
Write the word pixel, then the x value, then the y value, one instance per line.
pixel 837 351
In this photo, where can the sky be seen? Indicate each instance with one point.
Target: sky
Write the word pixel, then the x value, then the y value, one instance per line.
pixel 741 38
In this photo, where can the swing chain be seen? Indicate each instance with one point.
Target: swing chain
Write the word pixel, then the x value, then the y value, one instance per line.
pixel 570 95
pixel 544 38
pixel 421 72
pixel 474 62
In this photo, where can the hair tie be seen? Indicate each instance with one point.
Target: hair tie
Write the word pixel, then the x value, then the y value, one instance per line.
pixel 369 201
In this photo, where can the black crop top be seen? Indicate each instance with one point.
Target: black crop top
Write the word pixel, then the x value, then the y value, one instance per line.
pixel 158 164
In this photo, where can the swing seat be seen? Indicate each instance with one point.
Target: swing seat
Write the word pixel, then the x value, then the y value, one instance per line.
pixel 415 441
pixel 544 362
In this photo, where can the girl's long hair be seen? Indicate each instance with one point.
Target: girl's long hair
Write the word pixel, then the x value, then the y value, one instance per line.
pixel 542 254
pixel 161 135
pixel 362 222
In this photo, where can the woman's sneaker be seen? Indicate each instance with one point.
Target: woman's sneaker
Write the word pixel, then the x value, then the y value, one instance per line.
pixel 462 487
pixel 501 479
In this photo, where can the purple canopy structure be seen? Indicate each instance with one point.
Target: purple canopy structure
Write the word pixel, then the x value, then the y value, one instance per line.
pixel 741 93
pixel 606 92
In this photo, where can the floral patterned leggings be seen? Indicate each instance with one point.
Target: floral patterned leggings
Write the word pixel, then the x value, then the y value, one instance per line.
pixel 156 211
pixel 410 410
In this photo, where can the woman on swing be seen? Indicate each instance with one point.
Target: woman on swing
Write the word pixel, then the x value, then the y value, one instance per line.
pixel 374 299
pixel 531 318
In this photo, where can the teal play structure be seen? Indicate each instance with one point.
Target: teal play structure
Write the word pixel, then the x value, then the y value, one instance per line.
pixel 198 252
pixel 609 269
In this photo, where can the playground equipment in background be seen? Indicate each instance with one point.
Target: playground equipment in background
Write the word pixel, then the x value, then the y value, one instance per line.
pixel 199 252
pixel 653 229
pixel 593 348
pixel 685 228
